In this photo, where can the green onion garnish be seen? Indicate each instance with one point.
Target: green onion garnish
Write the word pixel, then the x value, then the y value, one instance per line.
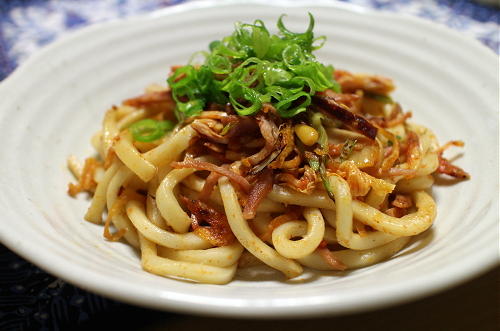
pixel 252 67
pixel 347 149
pixel 316 119
pixel 148 130
pixel 317 163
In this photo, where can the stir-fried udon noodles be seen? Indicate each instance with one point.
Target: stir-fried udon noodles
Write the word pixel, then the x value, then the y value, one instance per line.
pixel 262 155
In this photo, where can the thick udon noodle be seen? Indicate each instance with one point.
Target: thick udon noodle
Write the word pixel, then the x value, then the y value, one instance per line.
pixel 140 191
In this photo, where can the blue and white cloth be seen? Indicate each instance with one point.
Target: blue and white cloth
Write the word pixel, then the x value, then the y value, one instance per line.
pixel 33 299
pixel 27 25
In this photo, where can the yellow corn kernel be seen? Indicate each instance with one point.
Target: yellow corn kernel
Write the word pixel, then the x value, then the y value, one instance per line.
pixel 307 134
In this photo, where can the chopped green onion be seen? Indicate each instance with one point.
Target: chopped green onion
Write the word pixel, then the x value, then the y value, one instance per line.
pixel 314 162
pixel 326 182
pixel 347 149
pixel 219 64
pixel 252 66
pixel 316 122
pixel 226 129
pixel 148 130
pixel 318 164
pixel 166 125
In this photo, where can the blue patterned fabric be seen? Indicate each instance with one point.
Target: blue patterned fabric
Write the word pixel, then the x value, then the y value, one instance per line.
pixel 27 25
pixel 33 299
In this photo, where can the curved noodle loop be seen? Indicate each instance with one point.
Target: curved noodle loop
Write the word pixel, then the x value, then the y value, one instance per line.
pixel 160 236
pixel 167 202
pixel 344 220
pixel 356 259
pixel 408 225
pixel 248 239
pixel 166 267
pixel 294 249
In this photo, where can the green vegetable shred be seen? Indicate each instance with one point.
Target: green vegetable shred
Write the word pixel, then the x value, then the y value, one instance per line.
pixel 148 130
pixel 347 149
pixel 252 67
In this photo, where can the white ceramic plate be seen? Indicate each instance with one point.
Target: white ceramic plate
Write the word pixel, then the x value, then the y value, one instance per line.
pixel 54 102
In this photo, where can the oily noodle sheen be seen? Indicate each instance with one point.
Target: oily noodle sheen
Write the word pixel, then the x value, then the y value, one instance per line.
pixel 147 202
